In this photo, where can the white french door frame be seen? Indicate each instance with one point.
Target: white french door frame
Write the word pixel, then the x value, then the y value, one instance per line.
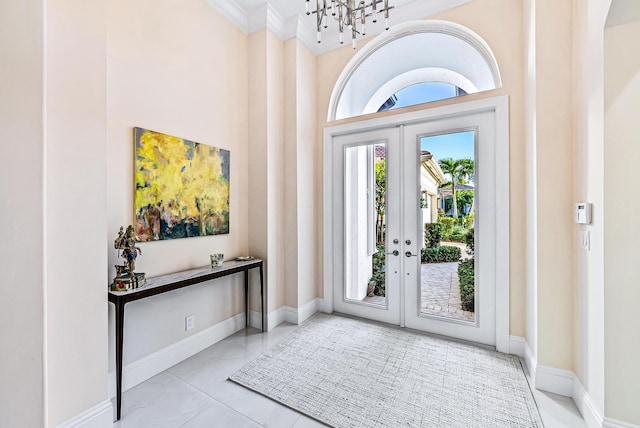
pixel 500 107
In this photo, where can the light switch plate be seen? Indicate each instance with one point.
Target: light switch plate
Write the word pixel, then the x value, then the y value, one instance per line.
pixel 189 322
pixel 585 240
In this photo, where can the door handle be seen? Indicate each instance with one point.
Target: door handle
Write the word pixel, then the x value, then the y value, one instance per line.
pixel 408 254
pixel 394 252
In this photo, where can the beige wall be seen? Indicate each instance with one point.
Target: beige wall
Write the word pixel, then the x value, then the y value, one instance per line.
pixel 506 41
pixel 21 189
pixel 56 365
pixel 186 71
pixel 301 203
pixel 531 252
pixel 588 95
pixel 554 180
pixel 290 208
pixel 180 69
pixel 621 158
pixel 258 153
pixel 76 214
pixel 266 148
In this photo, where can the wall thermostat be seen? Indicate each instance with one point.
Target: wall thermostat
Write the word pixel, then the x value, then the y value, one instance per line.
pixel 583 213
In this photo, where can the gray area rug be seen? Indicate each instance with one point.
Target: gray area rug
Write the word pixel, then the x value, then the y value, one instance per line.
pixel 350 373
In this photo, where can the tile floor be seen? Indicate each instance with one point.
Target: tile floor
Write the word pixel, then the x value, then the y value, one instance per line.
pixel 197 394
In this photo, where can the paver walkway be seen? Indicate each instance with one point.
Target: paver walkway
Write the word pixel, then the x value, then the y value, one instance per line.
pixel 440 291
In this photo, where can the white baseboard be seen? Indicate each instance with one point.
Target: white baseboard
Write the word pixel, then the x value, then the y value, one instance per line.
pixel 517 345
pixel 589 411
pixel 280 315
pixel 613 423
pixel 149 366
pixel 255 320
pixel 551 379
pixel 99 416
pixel 530 361
pixel 564 382
pixel 310 309
pixel 544 378
pixel 286 314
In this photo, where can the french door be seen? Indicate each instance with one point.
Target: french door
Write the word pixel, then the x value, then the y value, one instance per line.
pixel 389 185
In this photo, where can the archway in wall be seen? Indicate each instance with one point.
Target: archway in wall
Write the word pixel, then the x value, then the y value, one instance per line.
pixel 409 54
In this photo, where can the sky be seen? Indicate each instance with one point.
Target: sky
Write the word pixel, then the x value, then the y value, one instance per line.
pixel 455 146
pixel 424 93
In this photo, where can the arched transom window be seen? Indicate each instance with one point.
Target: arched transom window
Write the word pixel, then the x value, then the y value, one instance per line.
pixel 437 59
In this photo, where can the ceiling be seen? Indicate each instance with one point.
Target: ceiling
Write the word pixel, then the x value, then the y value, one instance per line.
pixel 287 18
pixel 289 8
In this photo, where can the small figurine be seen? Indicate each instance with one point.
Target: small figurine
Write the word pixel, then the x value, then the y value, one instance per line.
pixel 126 278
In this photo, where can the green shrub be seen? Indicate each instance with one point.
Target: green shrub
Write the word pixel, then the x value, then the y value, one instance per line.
pixel 432 235
pixel 440 254
pixel 466 276
pixel 470 240
pixel 457 234
pixel 447 224
pixel 468 221
pixel 378 272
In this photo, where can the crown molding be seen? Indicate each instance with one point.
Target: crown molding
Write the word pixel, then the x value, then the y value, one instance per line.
pixel 266 16
pixel 300 27
pixel 233 12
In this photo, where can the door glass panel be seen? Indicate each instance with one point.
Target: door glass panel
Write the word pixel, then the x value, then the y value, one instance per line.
pixel 365 187
pixel 448 214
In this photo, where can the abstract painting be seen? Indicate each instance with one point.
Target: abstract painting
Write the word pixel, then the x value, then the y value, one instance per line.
pixel 181 187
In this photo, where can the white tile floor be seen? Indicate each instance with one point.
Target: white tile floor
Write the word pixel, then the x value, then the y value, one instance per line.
pixel 197 394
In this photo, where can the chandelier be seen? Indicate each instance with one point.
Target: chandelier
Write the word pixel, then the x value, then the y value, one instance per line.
pixel 351 15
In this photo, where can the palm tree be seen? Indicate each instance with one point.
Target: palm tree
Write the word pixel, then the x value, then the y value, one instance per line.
pixel 459 170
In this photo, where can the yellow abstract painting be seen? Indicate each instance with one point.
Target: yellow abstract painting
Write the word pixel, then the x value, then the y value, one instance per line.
pixel 181 187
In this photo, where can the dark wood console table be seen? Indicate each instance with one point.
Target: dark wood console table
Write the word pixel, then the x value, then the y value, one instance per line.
pixel 174 281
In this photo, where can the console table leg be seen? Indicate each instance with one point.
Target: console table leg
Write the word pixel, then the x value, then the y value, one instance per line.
pixel 246 298
pixel 261 299
pixel 119 342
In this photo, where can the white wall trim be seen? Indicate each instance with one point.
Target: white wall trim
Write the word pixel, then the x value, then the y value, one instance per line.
pixel 530 361
pixel 614 423
pixel 280 315
pixel 255 321
pixel 517 346
pixel 563 382
pixel 502 223
pixel 339 110
pixel 145 368
pixel 309 309
pixel 234 13
pixel 266 15
pixel 551 379
pixel 499 105
pixel 589 411
pixel 544 378
pixel 287 314
pixel 99 416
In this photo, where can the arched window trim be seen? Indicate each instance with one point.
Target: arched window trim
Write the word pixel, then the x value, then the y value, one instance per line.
pixel 414 77
pixel 408 29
